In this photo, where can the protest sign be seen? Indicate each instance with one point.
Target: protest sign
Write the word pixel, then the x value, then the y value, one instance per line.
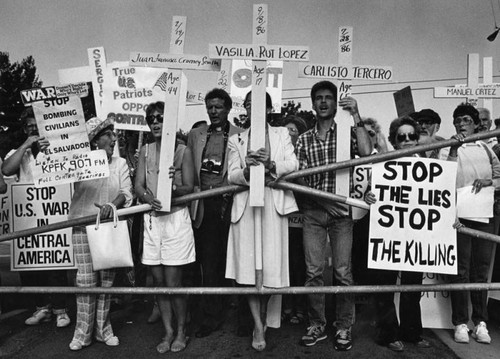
pixel 62 123
pixel 5 208
pixel 127 91
pixel 35 207
pixel 404 101
pixel 97 64
pixel 70 167
pixel 411 224
pixel 361 178
pixel 52 92
pixel 241 84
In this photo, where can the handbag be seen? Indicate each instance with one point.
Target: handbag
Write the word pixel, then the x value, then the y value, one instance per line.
pixel 109 243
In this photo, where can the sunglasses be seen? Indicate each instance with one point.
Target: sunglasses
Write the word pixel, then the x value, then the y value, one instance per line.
pixel 410 136
pixel 151 118
pixel 371 133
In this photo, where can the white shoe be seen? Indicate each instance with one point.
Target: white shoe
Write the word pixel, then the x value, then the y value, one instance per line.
pixel 41 315
pixel 480 333
pixel 62 320
pixel 462 333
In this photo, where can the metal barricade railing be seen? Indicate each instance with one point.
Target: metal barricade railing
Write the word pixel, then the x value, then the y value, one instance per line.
pixel 282 183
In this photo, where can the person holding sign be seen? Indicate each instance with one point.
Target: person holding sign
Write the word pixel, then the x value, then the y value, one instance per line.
pixel 104 194
pixel 404 132
pixel 168 236
pixel 279 159
pixel 318 147
pixel 211 215
pixel 478 167
pixel 20 161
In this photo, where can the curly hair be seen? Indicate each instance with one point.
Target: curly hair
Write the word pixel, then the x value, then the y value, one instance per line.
pixel 397 123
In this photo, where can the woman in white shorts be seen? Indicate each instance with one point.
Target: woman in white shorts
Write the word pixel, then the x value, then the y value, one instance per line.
pixel 168 236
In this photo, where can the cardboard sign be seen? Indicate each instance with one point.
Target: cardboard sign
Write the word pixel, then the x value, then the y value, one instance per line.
pixel 346 72
pixel 361 178
pixel 174 61
pixel 411 224
pixel 97 63
pixel 61 121
pixel 34 207
pixel 241 84
pixel 258 52
pixel 68 168
pixel 52 92
pixel 127 91
pixel 5 208
pixel 404 101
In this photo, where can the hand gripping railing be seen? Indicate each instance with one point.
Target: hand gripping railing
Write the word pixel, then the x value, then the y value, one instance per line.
pixel 282 183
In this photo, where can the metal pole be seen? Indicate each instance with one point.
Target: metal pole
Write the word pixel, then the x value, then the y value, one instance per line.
pixel 387 155
pixel 255 290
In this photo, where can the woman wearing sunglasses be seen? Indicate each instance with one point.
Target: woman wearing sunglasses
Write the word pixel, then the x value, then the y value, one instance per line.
pixel 403 133
pixel 168 236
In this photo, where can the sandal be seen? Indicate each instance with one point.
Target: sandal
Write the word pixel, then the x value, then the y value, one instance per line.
pixel 164 345
pixel 178 345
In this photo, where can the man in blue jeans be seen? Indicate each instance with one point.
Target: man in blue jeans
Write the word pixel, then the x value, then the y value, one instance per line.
pixel 317 147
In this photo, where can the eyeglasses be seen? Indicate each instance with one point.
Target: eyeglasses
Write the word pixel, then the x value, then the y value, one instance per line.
pixel 401 137
pixel 425 122
pixel 466 120
pixel 151 118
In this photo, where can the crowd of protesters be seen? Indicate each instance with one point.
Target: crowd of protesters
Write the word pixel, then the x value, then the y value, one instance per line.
pixel 210 242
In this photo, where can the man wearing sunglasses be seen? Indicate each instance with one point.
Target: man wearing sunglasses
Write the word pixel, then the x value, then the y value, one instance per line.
pixel 429 122
pixel 211 217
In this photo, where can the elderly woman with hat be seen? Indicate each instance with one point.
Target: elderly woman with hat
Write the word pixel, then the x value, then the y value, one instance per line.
pixel 89 196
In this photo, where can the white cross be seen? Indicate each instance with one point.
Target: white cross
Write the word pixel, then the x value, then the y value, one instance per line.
pixel 474 91
pixel 259 51
pixel 345 72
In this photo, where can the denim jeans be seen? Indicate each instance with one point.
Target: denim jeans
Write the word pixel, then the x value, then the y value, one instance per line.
pixel 317 224
pixel 474 259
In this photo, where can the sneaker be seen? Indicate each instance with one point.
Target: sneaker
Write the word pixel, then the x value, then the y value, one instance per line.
pixel 62 320
pixel 461 333
pixel 422 343
pixel 42 315
pixel 315 333
pixel 480 333
pixel 343 340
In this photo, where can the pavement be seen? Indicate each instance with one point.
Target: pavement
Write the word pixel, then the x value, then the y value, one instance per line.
pixel 139 339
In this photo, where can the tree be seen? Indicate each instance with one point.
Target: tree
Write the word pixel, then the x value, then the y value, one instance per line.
pixel 290 108
pixel 14 77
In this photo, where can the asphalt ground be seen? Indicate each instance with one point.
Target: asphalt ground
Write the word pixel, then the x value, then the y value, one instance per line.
pixel 139 339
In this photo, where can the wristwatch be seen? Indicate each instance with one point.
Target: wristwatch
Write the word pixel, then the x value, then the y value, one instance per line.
pixel 360 124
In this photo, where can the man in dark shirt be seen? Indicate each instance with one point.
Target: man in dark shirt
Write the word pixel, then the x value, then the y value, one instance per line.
pixel 211 216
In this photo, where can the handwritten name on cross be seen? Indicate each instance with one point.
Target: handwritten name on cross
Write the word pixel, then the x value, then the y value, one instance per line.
pixel 259 51
pixel 473 91
pixel 175 96
pixel 345 72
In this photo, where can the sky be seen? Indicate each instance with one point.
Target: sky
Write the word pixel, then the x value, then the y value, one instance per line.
pixel 426 42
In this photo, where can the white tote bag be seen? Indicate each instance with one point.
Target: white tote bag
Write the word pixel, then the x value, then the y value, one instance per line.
pixel 109 244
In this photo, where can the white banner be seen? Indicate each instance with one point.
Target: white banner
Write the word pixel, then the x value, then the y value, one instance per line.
pixel 411 224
